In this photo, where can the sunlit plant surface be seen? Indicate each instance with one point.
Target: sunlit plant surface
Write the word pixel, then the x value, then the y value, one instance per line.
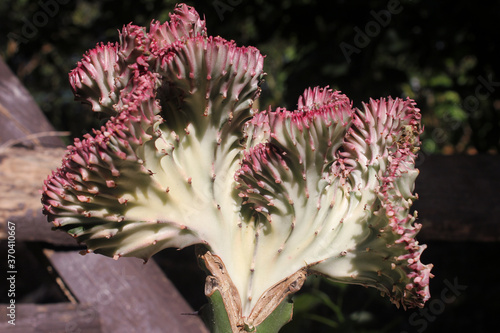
pixel 269 196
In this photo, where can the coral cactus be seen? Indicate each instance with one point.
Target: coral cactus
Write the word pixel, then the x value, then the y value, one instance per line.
pixel 271 196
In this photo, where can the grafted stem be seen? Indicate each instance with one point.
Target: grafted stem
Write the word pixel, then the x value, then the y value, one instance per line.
pixel 224 314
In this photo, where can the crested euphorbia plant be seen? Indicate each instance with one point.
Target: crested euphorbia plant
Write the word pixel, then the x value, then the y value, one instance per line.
pixel 270 197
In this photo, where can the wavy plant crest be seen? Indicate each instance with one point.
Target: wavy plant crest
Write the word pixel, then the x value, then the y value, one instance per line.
pixel 271 196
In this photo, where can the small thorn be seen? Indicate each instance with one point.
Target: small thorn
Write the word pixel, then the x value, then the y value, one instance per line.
pixel 195 313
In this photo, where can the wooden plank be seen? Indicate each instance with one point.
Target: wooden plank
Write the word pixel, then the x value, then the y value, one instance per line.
pixel 51 318
pixel 20 116
pixel 129 296
pixel 22 172
pixel 459 198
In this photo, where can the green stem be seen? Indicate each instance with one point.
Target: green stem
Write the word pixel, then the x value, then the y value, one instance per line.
pixel 217 319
